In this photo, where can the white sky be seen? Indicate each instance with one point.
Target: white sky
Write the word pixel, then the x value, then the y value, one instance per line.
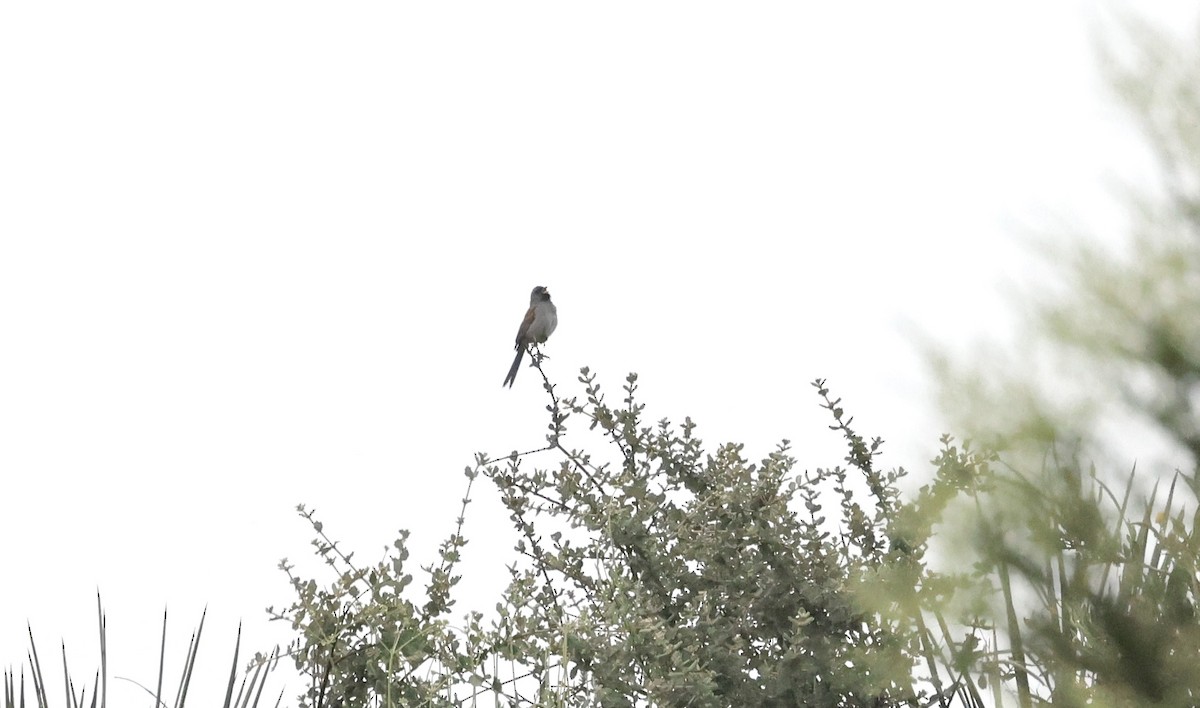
pixel 261 254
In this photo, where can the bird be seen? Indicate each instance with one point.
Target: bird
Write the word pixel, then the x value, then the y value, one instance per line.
pixel 539 323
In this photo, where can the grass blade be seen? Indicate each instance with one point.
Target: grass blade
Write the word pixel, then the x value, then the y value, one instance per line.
pixel 162 658
pixel 39 685
pixel 233 669
pixel 103 653
pixel 190 664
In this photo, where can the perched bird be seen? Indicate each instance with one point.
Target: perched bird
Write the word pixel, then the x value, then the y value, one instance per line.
pixel 536 328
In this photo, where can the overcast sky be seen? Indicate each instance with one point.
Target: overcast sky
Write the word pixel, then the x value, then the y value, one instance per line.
pixel 261 254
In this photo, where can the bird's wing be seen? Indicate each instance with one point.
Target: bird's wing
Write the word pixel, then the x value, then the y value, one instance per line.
pixel 523 332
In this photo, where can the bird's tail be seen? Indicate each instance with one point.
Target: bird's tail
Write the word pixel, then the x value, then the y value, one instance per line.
pixel 512 373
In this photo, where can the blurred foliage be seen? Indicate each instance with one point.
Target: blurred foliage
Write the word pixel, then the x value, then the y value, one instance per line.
pixel 1095 573
pixel 1107 616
